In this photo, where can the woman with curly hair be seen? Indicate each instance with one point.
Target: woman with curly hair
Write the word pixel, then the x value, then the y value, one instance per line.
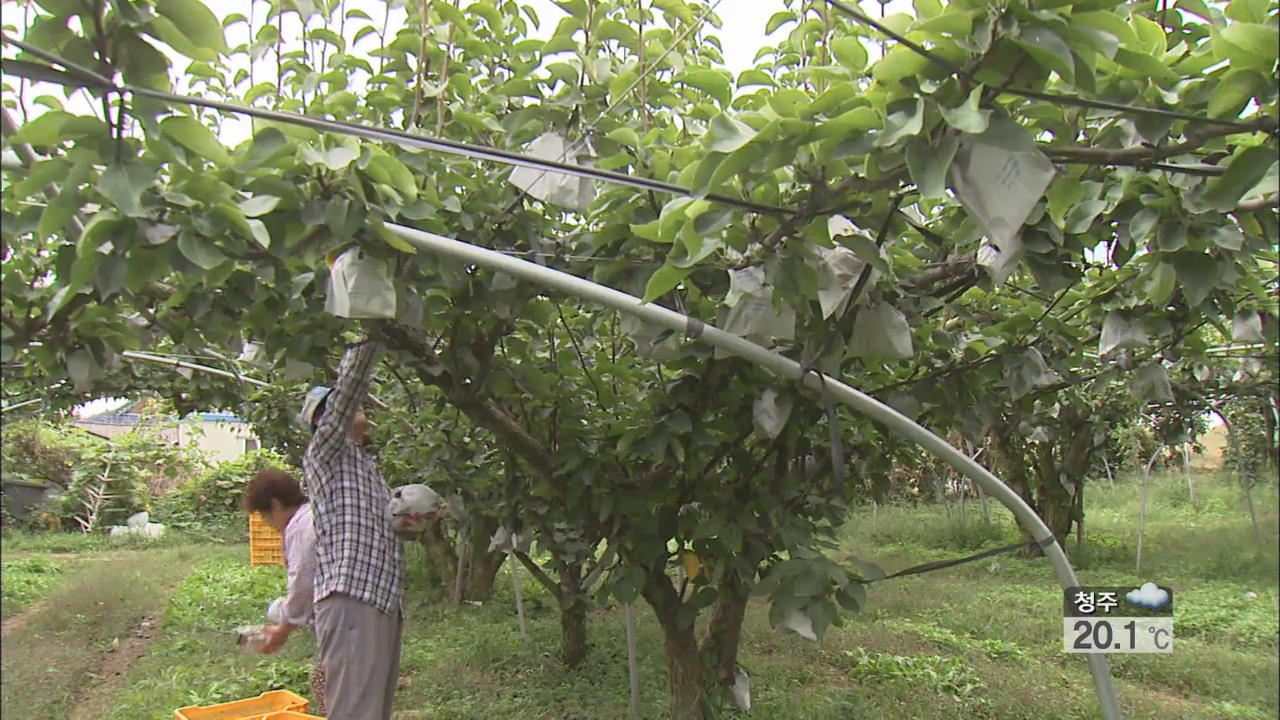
pixel 276 496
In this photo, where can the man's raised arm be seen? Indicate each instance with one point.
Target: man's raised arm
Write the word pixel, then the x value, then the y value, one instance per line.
pixel 355 375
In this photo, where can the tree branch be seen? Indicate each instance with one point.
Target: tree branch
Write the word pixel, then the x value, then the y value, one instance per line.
pixel 1139 154
pixel 1269 202
pixel 538 573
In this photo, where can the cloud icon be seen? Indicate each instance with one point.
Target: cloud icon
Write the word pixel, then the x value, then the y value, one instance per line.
pixel 1148 596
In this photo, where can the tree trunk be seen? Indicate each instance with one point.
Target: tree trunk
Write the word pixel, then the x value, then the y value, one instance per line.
pixel 573 616
pixel 724 632
pixel 687 675
pixel 442 561
pixel 482 566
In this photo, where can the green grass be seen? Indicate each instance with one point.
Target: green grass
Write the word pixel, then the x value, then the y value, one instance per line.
pixel 981 640
pixel 18 542
pixel 49 660
pixel 195 660
pixel 26 580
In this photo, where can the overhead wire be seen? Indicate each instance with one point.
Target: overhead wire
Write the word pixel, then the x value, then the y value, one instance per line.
pixel 78 76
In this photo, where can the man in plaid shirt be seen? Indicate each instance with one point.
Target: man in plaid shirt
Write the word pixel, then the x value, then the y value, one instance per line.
pixel 360 562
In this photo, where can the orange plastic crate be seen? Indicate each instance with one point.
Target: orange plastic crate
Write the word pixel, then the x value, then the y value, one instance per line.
pixel 291 715
pixel 269 704
pixel 266 546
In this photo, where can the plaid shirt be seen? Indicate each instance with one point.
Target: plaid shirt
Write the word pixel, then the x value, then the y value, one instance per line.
pixel 357 553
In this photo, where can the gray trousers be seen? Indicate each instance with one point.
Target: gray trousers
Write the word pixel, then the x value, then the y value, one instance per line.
pixel 360 649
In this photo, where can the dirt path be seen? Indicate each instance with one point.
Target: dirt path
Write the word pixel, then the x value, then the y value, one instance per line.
pixel 109 677
pixel 22 619
pixel 103 618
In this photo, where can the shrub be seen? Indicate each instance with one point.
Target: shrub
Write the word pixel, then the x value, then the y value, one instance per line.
pixel 210 502
pixel 104 481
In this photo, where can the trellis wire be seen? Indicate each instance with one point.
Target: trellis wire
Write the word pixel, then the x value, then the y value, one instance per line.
pixel 79 76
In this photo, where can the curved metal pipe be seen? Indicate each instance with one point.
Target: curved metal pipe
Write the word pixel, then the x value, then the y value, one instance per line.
pixel 1099 667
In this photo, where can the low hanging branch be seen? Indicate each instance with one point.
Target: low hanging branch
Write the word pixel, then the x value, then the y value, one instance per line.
pixel 1140 154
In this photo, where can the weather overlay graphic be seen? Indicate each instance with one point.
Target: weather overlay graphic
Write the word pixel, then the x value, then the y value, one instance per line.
pixel 1118 619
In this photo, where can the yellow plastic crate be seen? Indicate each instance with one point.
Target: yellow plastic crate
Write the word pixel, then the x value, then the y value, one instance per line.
pixel 268 704
pixel 266 546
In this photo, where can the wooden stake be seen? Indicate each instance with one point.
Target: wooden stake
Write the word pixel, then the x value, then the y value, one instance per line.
pixel 1186 463
pixel 1142 505
pixel 633 666
pixel 515 582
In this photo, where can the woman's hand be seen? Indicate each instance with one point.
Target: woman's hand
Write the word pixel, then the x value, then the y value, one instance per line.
pixel 276 636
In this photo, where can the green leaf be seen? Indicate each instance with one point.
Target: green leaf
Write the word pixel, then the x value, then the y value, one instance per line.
pixel 777 20
pixel 859 119
pixel 189 133
pixel 1150 34
pixel 1254 11
pixel 62 8
pixel 627 586
pixel 196 22
pixel 712 82
pixel 1108 21
pixel 955 23
pixel 1197 273
pixel 850 51
pixel 928 165
pixel 1144 64
pixel 1249 45
pixel 99 231
pixel 1081 217
pixel 395 173
pixel 752 77
pixel 46 129
pixel 624 136
pixel 390 238
pixel 1049 49
pixel 1062 195
pixel 123 185
pixel 258 230
pixel 265 145
pixel 62 207
pixel 1231 93
pixel 898 63
pixel 1245 171
pixel 1161 283
pixel 968 117
pixel 339 157
pixel 1142 224
pixel 822 612
pixel 200 251
pixel 727 133
pixel 259 205
pixel 736 162
pixel 866 249
pixel 902 125
pixel 664 280
pixel 1172 235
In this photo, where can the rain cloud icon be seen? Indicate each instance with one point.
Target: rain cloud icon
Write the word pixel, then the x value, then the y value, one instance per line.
pixel 1148 596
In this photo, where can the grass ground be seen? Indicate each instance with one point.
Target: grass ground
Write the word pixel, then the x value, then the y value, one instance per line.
pixel 977 641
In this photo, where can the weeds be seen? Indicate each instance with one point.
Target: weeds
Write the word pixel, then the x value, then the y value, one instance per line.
pixel 26 580
pixel 947 676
